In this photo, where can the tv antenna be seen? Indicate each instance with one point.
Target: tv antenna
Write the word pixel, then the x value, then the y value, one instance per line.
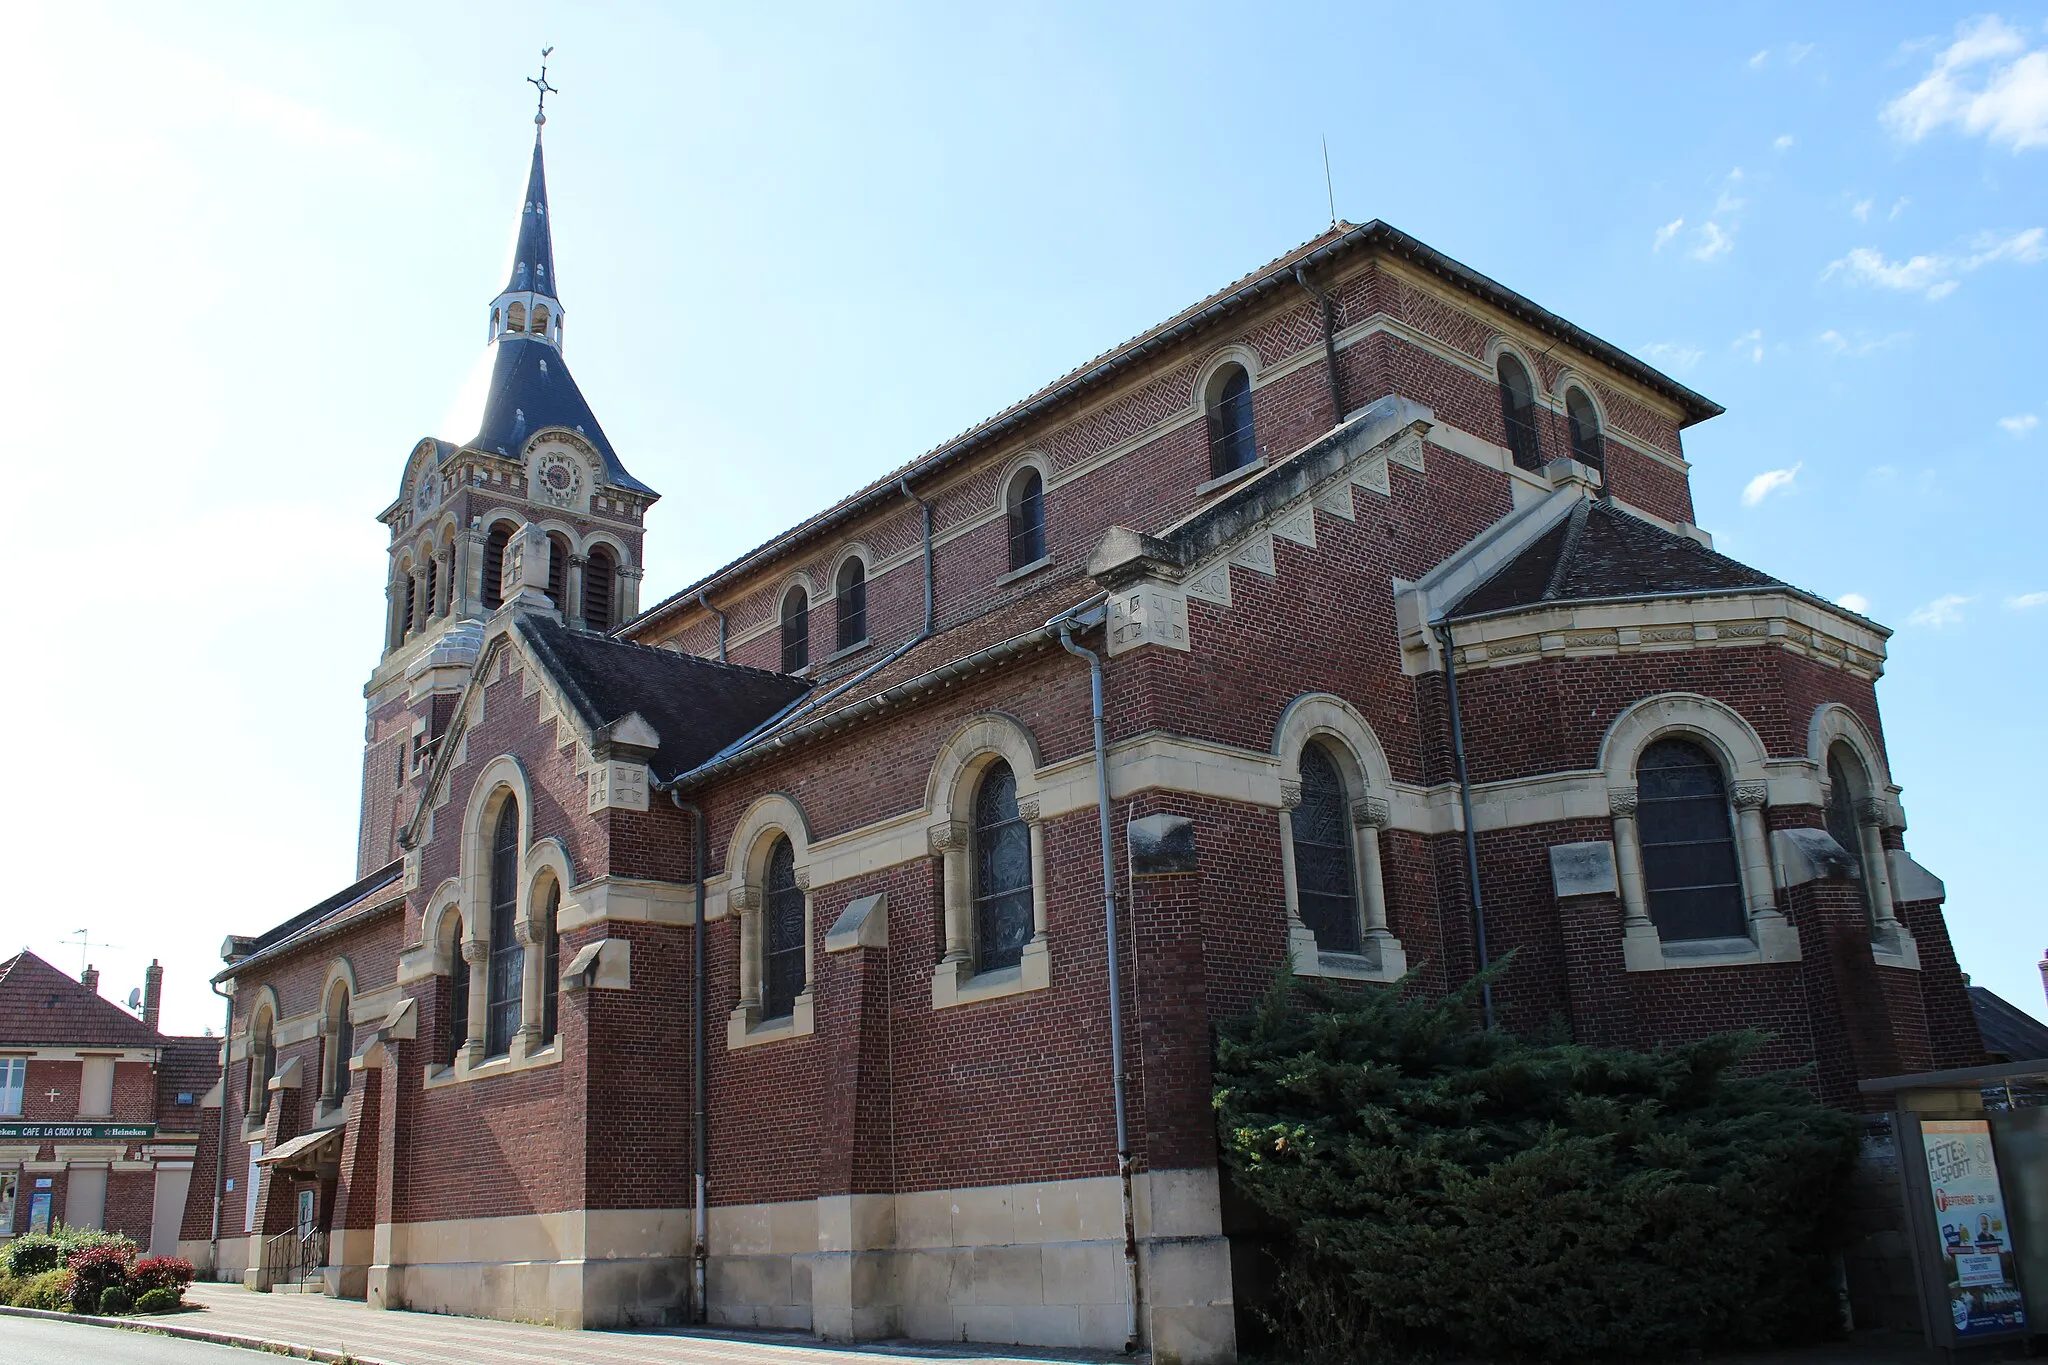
pixel 86 944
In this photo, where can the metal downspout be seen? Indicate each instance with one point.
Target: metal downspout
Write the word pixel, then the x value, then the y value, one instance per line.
pixel 1443 638
pixel 704 601
pixel 1116 1010
pixel 220 1153
pixel 700 1252
pixel 1329 307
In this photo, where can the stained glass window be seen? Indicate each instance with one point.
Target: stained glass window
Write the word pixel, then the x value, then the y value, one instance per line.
pixel 1841 813
pixel 1688 842
pixel 1518 412
pixel 507 965
pixel 458 999
pixel 852 592
pixel 1323 887
pixel 782 942
pixel 1002 871
pixel 1232 442
pixel 796 630
pixel 550 963
pixel 1027 519
pixel 1585 425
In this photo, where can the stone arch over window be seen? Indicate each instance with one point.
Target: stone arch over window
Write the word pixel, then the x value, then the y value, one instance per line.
pixel 850 599
pixel 337 1031
pixel 795 614
pixel 984 793
pixel 1336 791
pixel 1519 409
pixel 1678 787
pixel 768 872
pixel 261 1061
pixel 1023 507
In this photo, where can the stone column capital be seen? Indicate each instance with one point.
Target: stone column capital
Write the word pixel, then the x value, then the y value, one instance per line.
pixel 1371 812
pixel 744 900
pixel 1750 795
pixel 1871 811
pixel 1290 793
pixel 1027 809
pixel 1622 801
pixel 475 952
pixel 947 834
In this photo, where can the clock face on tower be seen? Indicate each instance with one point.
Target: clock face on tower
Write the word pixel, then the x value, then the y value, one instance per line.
pixel 428 492
pixel 558 478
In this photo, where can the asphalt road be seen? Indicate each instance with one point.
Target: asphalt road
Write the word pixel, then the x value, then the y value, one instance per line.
pixel 29 1341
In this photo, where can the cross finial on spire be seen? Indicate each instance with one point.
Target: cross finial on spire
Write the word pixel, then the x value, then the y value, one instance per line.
pixel 540 84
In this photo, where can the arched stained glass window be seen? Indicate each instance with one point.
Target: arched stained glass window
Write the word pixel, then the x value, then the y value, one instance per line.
pixel 1518 413
pixel 1027 519
pixel 851 590
pixel 1585 425
pixel 1687 836
pixel 1845 785
pixel 796 630
pixel 507 966
pixel 457 1031
pixel 1324 888
pixel 782 936
pixel 1232 442
pixel 1002 871
pixel 262 1064
pixel 341 1045
pixel 550 963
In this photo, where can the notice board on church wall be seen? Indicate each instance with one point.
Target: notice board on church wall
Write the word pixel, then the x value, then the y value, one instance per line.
pixel 1963 1245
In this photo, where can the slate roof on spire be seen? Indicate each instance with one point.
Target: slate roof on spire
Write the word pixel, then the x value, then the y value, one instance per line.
pixel 533 264
pixel 531 388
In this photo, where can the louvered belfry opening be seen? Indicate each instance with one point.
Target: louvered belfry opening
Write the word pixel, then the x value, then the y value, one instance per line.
pixel 597 589
pixel 494 565
pixel 558 572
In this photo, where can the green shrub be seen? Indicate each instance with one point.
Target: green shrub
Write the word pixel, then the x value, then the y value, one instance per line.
pixel 1445 1189
pixel 49 1291
pixel 115 1300
pixel 36 1252
pixel 160 1301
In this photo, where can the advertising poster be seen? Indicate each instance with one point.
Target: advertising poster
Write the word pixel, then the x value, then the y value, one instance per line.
pixel 1969 1216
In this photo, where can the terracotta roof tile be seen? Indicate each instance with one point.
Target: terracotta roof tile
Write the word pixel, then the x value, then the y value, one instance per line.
pixel 39 1004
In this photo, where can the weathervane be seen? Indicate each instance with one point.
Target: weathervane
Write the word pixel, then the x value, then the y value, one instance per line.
pixel 540 83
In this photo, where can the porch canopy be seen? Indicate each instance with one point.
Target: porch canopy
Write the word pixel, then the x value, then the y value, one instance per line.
pixel 305 1155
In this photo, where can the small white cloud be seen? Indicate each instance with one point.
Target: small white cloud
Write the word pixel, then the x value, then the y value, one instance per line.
pixel 1666 233
pixel 1936 275
pixel 1988 82
pixel 2020 423
pixel 1767 483
pixel 1945 610
pixel 1854 601
pixel 1782 142
pixel 1713 244
pixel 1860 211
pixel 1671 355
pixel 2028 248
pixel 1798 52
pixel 1756 63
pixel 2027 601
pixel 1753 339
pixel 1863 343
pixel 1898 207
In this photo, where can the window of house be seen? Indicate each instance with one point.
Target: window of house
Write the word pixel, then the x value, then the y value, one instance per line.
pixel 782 938
pixel 597 589
pixel 851 590
pixel 457 1030
pixel 1027 519
pixel 558 572
pixel 1002 871
pixel 550 963
pixel 506 969
pixel 796 630
pixel 1585 425
pixel 1232 442
pixel 1845 786
pixel 1323 884
pixel 13 1081
pixel 494 565
pixel 1518 413
pixel 1687 835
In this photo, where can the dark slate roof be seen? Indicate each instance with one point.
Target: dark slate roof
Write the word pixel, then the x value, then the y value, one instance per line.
pixel 345 899
pixel 39 1004
pixel 1600 551
pixel 697 706
pixel 531 388
pixel 533 263
pixel 2010 1034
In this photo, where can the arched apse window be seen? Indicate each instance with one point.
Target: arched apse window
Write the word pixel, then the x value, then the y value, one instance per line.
pixel 1232 442
pixel 262 1063
pixel 1687 836
pixel 1026 507
pixel 558 571
pixel 1518 413
pixel 796 629
pixel 339 1045
pixel 494 564
pixel 597 589
pixel 1324 886
pixel 782 942
pixel 1585 425
pixel 547 931
pixel 507 961
pixel 1002 871
pixel 456 1032
pixel 851 592
pixel 1846 786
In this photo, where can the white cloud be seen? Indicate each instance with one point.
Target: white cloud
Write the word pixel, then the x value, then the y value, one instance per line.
pixel 1861 210
pixel 1798 52
pixel 1671 355
pixel 1863 343
pixel 1767 483
pixel 1854 601
pixel 2027 601
pixel 1666 233
pixel 1756 63
pixel 1714 243
pixel 1945 610
pixel 1936 275
pixel 2028 248
pixel 1986 82
pixel 2020 424
pixel 1782 142
pixel 1898 207
pixel 1754 340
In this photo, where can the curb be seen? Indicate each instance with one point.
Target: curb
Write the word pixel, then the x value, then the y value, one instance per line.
pixel 290 1349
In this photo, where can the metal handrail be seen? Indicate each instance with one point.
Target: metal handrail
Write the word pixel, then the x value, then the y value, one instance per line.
pixel 294 1256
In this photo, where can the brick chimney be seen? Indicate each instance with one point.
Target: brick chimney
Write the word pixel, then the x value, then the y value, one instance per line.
pixel 90 979
pixel 152 993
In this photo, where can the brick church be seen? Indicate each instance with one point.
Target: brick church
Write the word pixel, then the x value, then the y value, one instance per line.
pixel 835 943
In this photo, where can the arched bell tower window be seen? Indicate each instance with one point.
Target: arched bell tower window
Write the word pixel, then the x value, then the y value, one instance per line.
pixel 540 319
pixel 1233 444
pixel 494 564
pixel 1026 507
pixel 507 961
pixel 1687 834
pixel 558 571
pixel 796 629
pixel 515 317
pixel 597 589
pixel 782 947
pixel 433 597
pixel 1518 413
pixel 1584 419
pixel 851 593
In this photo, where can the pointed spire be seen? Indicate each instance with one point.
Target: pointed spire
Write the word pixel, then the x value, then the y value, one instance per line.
pixel 533 264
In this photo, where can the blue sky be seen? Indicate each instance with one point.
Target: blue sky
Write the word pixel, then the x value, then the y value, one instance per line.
pixel 253 246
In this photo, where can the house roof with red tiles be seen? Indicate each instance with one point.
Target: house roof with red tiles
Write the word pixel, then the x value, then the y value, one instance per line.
pixel 41 1005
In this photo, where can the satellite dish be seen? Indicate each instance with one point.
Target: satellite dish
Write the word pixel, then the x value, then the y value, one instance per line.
pixel 135 998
